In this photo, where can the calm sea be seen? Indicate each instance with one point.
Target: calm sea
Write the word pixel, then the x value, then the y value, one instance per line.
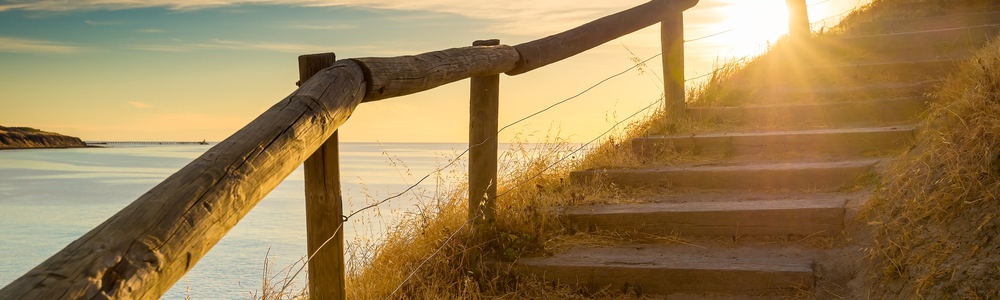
pixel 50 197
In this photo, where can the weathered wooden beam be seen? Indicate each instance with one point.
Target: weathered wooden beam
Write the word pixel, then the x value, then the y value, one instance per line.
pixel 484 109
pixel 403 75
pixel 672 45
pixel 798 20
pixel 324 223
pixel 141 251
pixel 324 205
pixel 544 51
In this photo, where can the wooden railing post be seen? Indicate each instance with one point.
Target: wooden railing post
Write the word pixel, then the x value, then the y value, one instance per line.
pixel 798 20
pixel 672 45
pixel 324 208
pixel 484 104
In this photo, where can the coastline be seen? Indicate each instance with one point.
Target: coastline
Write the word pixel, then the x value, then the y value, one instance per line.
pixel 31 138
pixel 49 147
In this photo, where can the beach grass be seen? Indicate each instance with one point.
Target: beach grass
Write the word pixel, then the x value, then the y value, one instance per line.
pixel 930 229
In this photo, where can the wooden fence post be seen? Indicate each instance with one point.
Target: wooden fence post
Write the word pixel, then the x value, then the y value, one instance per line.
pixel 672 45
pixel 324 208
pixel 798 20
pixel 484 104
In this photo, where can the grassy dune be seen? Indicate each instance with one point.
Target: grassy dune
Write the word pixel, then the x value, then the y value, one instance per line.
pixel 28 138
pixel 936 215
pixel 933 226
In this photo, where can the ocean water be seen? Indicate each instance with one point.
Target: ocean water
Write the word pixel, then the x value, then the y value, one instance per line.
pixel 50 197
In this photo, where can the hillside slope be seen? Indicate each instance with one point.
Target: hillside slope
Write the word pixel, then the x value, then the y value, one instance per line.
pixel 936 217
pixel 27 138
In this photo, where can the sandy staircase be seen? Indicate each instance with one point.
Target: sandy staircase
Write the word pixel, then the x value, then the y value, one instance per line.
pixel 745 210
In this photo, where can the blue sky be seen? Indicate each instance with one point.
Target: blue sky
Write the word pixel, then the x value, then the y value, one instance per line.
pixel 193 70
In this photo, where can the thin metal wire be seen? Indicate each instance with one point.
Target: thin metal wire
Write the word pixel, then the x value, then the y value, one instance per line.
pixel 466 151
pixel 582 147
pixel 450 237
pixel 581 93
pixel 411 187
pixel 818 3
pixel 701 76
pixel 306 262
pixel 433 254
pixel 456 159
pixel 831 17
pixel 710 35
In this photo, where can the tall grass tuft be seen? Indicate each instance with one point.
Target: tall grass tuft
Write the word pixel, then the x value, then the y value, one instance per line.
pixel 454 261
pixel 936 217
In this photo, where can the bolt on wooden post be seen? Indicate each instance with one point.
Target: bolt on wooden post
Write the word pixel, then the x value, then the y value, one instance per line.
pixel 484 104
pixel 324 208
pixel 798 20
pixel 672 45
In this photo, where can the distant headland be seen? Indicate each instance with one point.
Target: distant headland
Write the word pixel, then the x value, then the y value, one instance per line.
pixel 31 138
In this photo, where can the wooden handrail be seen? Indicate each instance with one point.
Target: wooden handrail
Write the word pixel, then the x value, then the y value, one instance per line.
pixel 798 20
pixel 141 251
pixel 324 205
pixel 484 111
pixel 672 45
pixel 403 75
pixel 547 50
pixel 389 77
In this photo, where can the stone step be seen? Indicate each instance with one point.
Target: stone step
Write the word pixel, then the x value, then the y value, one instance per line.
pixel 819 215
pixel 986 16
pixel 862 113
pixel 895 43
pixel 804 175
pixel 841 141
pixel 849 93
pixel 881 71
pixel 926 9
pixel 663 270
pixel 911 88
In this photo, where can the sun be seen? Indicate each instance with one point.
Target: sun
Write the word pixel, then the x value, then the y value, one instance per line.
pixel 755 24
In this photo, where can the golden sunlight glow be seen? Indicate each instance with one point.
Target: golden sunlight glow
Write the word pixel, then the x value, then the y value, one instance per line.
pixel 728 29
pixel 756 22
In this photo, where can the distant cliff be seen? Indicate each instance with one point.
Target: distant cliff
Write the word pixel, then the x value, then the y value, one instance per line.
pixel 26 138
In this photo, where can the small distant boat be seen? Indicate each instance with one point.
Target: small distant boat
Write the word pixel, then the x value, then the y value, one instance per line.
pixel 202 142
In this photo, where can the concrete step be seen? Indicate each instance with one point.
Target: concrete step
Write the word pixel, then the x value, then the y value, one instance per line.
pixel 902 11
pixel 986 16
pixel 943 40
pixel 881 71
pixel 819 215
pixel 789 94
pixel 863 113
pixel 804 175
pixel 663 270
pixel 841 141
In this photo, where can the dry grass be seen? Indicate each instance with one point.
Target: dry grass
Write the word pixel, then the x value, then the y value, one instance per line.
pixel 940 206
pixel 525 224
pixel 935 218
pixel 279 284
pixel 878 16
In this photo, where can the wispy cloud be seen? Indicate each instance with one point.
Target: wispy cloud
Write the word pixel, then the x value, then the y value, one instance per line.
pixel 325 27
pixel 103 23
pixel 6 7
pixel 269 46
pixel 161 48
pixel 151 30
pixel 138 104
pixel 217 44
pixel 19 45
pixel 526 17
